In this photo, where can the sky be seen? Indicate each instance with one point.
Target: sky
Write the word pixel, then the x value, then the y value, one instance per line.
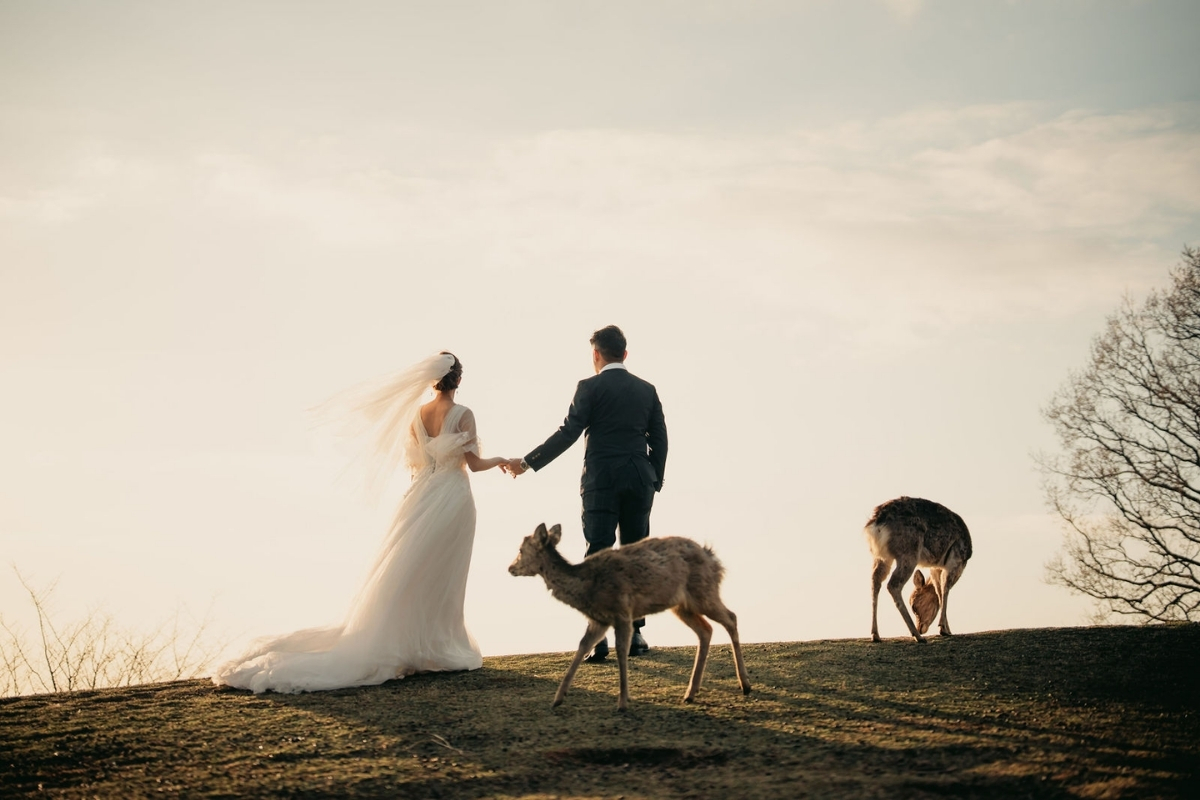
pixel 856 246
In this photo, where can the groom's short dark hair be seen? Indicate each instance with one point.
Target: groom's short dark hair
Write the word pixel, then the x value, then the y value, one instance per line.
pixel 610 342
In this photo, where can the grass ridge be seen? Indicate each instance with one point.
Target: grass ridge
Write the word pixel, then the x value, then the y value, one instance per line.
pixel 1066 712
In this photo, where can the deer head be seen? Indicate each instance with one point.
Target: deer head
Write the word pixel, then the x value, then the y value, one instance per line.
pixel 924 601
pixel 532 555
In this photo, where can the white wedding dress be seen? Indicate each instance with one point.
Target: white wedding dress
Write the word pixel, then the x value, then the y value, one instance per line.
pixel 408 615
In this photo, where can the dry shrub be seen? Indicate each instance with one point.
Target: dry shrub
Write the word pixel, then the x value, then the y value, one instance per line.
pixel 96 652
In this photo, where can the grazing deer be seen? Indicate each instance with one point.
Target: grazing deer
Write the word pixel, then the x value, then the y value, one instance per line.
pixel 614 587
pixel 913 532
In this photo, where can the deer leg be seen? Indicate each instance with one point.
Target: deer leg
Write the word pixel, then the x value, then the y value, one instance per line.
pixel 878 573
pixel 728 620
pixel 904 571
pixel 623 634
pixel 949 577
pixel 591 637
pixel 704 631
pixel 937 576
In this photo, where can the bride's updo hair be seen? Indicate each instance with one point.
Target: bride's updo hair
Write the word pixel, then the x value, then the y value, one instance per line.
pixel 451 379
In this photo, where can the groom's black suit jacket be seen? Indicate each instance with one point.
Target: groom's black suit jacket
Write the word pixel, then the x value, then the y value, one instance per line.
pixel 623 421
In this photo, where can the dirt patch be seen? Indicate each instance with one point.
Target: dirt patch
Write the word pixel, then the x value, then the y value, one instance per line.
pixel 1087 712
pixel 638 756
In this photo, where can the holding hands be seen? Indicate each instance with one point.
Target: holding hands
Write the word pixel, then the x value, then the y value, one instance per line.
pixel 514 466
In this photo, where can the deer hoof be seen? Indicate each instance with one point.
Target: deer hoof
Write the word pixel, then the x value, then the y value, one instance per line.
pixel 746 690
pixel 875 637
pixel 920 639
pixel 945 632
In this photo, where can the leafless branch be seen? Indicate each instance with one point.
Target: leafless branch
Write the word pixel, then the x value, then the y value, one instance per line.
pixel 94 652
pixel 1127 479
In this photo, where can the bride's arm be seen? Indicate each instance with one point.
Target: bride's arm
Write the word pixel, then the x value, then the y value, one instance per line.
pixel 466 424
pixel 477 464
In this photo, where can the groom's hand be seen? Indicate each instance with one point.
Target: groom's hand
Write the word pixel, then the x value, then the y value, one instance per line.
pixel 514 466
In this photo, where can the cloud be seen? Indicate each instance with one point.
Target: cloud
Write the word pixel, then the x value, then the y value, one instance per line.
pixel 945 217
pixel 86 179
pixel 1131 175
pixel 905 9
pixel 1135 174
pixel 332 211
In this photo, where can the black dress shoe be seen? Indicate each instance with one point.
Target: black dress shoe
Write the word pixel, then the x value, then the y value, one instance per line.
pixel 599 654
pixel 638 646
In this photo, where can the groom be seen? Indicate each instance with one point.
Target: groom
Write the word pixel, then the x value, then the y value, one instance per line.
pixel 623 463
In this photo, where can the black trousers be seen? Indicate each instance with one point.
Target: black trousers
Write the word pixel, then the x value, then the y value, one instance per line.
pixel 622 508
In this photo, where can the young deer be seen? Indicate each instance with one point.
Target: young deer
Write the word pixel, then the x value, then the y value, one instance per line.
pixel 614 587
pixel 913 532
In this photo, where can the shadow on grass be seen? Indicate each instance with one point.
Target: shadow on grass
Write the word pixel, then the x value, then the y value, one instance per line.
pixel 853 721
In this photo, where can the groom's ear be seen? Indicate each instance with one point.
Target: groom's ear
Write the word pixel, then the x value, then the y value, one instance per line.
pixel 540 533
pixel 555 534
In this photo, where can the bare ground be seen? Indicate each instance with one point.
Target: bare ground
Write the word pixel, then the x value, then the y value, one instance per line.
pixel 1079 712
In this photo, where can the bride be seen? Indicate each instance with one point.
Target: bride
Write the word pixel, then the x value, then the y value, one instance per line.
pixel 408 615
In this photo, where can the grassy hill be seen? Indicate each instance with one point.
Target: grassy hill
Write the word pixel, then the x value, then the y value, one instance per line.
pixel 1079 712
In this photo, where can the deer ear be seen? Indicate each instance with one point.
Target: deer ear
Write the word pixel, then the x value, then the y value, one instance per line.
pixel 540 533
pixel 555 535
pixel 918 579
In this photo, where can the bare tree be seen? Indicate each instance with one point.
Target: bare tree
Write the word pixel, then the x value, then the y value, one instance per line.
pixel 93 652
pixel 1127 481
